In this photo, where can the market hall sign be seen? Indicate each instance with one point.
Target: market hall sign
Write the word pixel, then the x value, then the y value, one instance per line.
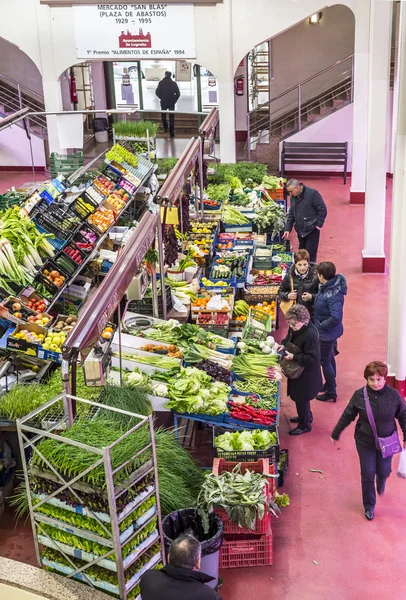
pixel 134 31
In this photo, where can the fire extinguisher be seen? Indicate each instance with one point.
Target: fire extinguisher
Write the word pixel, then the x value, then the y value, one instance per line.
pixel 73 92
pixel 239 86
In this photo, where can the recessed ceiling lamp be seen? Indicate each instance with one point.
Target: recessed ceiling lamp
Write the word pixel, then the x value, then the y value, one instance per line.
pixel 316 18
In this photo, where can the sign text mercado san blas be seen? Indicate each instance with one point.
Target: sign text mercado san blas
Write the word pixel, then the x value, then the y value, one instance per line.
pixel 135 31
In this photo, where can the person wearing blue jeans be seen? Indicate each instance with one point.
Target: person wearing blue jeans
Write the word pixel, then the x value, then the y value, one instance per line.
pixel 328 318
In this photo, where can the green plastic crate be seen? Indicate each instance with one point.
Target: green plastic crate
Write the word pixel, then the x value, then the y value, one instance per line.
pixel 65 163
pixel 251 331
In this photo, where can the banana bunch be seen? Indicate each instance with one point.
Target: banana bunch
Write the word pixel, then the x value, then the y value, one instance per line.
pixel 241 309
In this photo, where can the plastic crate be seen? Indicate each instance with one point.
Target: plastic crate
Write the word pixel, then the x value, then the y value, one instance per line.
pixel 255 333
pixel 262 262
pixel 275 193
pixel 145 306
pixel 284 471
pixel 246 551
pixel 65 163
pixel 57 243
pixel 253 294
pixel 263 526
pixel 239 228
pixel 271 453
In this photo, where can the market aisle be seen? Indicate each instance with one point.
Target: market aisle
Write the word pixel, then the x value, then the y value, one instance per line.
pixel 325 522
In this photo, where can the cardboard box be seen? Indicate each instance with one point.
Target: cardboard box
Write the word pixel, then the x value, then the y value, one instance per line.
pixel 19 345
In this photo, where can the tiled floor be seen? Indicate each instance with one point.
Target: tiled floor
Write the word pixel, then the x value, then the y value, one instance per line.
pixel 323 546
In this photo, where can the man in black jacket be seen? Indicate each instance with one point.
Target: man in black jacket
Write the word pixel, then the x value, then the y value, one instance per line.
pixel 181 578
pixel 307 213
pixel 168 93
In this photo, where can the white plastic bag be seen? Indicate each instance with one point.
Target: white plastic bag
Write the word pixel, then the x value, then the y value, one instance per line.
pixel 402 464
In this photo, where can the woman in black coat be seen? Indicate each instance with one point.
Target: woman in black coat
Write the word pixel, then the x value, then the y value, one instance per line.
pixel 387 405
pixel 304 335
pixel 305 281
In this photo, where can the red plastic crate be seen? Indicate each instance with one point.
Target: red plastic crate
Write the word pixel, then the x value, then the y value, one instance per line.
pixel 263 526
pixel 246 551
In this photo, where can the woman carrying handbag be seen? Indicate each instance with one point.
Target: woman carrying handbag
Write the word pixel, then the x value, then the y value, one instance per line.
pixel 377 406
pixel 300 284
pixel 300 362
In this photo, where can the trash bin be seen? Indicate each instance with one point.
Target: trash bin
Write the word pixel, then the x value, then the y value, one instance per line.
pixel 100 128
pixel 183 520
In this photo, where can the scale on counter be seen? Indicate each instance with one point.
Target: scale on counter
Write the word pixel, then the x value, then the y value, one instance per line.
pixel 138 286
pixel 134 324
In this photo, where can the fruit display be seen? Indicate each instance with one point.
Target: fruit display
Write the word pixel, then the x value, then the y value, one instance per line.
pixel 221 318
pixel 82 208
pixel 208 283
pixel 104 185
pixel 29 336
pixel 65 324
pixel 269 276
pixel 40 319
pixel 118 199
pixel 102 219
pixel 107 332
pixel 203 226
pixel 225 245
pixel 172 350
pixel 241 310
pixel 54 277
pixel 85 239
pixel 127 185
pixel 119 155
pixel 54 340
pixel 205 318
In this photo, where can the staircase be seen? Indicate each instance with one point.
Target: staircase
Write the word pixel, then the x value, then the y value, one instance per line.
pixel 14 97
pixel 311 100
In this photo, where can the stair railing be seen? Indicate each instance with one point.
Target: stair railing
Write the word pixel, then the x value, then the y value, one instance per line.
pixel 20 88
pixel 256 119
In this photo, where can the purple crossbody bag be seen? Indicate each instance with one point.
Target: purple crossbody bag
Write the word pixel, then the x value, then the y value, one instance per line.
pixel 388 445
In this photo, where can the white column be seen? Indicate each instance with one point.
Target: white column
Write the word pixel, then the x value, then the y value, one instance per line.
pixel 397 280
pixel 50 76
pixel 360 103
pixel 373 255
pixel 225 80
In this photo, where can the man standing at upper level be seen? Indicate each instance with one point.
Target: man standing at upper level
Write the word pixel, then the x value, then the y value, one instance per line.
pixel 307 214
pixel 168 93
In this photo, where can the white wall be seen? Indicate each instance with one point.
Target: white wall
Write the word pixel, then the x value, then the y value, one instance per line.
pixel 305 49
pixel 15 148
pixel 336 127
pixel 18 66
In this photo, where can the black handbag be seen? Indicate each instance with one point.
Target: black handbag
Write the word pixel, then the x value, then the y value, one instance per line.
pixel 290 368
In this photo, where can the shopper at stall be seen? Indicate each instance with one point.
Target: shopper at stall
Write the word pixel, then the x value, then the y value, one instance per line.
pixel 300 284
pixel 328 318
pixel 180 579
pixel 168 93
pixel 301 348
pixel 387 405
pixel 307 214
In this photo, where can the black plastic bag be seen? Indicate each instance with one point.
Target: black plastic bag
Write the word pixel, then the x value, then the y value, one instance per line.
pixel 186 519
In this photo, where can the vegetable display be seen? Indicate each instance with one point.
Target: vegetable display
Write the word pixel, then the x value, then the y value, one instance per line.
pixel 246 440
pixel 248 413
pixel 243 497
pixel 263 365
pixel 232 216
pixel 191 390
pixel 271 215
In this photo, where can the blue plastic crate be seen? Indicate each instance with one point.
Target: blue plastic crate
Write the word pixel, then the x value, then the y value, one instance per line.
pixel 239 228
pixel 249 425
pixel 203 418
pixel 55 242
pixel 230 283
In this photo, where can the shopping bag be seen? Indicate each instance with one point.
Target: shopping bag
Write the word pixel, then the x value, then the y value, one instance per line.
pixel 402 464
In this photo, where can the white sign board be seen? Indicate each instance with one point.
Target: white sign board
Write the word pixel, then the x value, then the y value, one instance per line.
pixel 125 31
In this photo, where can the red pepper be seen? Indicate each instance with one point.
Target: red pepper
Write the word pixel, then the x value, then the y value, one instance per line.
pixel 241 416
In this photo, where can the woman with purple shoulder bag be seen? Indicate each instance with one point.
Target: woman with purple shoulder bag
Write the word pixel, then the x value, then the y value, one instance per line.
pixel 377 405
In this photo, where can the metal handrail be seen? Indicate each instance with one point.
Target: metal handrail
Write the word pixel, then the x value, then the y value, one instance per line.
pixel 20 86
pixel 14 104
pixel 253 130
pixel 307 105
pixel 339 62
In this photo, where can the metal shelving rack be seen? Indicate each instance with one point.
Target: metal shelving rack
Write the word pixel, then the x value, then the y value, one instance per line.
pixel 150 141
pixel 49 422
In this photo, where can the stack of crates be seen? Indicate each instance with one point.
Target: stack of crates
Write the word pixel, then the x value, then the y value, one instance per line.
pixel 65 164
pixel 245 547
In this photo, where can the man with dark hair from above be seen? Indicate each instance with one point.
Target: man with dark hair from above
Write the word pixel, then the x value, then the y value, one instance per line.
pixel 180 579
pixel 168 93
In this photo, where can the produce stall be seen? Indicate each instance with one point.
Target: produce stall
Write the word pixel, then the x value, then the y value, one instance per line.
pixel 219 259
